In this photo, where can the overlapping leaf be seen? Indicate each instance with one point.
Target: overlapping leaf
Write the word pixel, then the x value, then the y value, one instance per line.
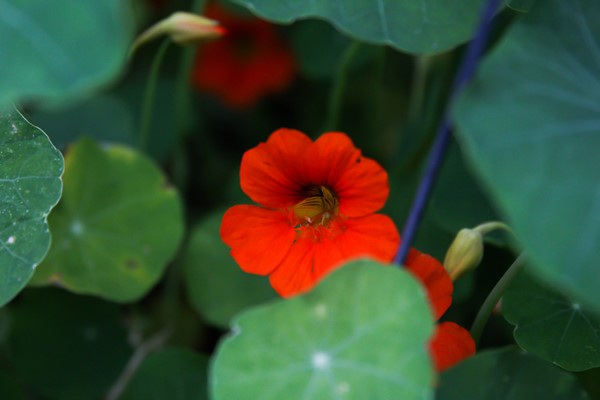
pixel 216 285
pixel 30 185
pixel 60 49
pixel 360 334
pixel 530 122
pixel 66 346
pixel 118 225
pixel 553 325
pixel 508 374
pixel 426 26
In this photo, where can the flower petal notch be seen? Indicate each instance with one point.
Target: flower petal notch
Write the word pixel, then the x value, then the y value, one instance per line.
pixel 317 203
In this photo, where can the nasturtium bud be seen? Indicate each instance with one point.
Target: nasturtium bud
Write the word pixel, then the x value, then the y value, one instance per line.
pixel 465 253
pixel 183 28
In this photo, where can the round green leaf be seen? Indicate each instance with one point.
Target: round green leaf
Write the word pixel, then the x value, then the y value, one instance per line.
pixel 360 334
pixel 508 374
pixel 427 26
pixel 67 346
pixel 217 287
pixel 116 227
pixel 60 49
pixel 530 123
pixel 553 325
pixel 30 185
pixel 171 373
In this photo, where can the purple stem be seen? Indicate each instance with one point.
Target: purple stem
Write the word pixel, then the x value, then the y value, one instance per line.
pixel 465 72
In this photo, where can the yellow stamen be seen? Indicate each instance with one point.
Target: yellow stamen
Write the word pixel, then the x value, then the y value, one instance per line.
pixel 321 202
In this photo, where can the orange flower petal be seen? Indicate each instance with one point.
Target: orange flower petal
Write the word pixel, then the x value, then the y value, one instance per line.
pixel 271 173
pixel 360 183
pixel 435 279
pixel 259 238
pixel 308 261
pixel 450 344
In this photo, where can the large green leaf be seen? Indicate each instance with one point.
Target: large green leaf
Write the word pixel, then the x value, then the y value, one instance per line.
pixel 67 346
pixel 530 122
pixel 508 374
pixel 30 185
pixel 116 227
pixel 426 26
pixel 553 325
pixel 360 334
pixel 458 201
pixel 216 285
pixel 55 50
pixel 171 373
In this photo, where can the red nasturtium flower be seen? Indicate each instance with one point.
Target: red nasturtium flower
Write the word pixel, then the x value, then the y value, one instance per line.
pixel 247 63
pixel 451 343
pixel 317 210
pixel 317 203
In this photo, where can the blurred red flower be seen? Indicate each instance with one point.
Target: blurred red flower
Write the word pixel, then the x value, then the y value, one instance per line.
pixel 317 210
pixel 247 63
pixel 451 343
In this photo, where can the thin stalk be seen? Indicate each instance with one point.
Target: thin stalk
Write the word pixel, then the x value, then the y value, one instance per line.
pixel 483 315
pixel 339 83
pixel 182 89
pixel 417 92
pixel 438 151
pixel 149 94
pixel 134 362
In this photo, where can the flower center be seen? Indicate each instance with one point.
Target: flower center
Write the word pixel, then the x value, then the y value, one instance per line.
pixel 319 206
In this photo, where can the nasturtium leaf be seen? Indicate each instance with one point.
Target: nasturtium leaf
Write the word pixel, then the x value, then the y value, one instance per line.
pixel 530 123
pixel 62 48
pixel 427 26
pixel 67 346
pixel 360 334
pixel 458 201
pixel 30 186
pixel 66 125
pixel 553 325
pixel 171 373
pixel 508 373
pixel 215 284
pixel 520 5
pixel 320 59
pixel 117 226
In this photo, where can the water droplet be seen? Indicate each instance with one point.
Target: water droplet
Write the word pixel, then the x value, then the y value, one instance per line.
pixel 576 306
pixel 11 240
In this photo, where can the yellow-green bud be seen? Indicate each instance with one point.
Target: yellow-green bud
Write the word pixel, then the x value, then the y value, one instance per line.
pixel 465 253
pixel 183 28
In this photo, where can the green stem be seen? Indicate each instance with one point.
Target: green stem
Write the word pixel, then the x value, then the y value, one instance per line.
pixel 146 114
pixel 419 85
pixel 339 82
pixel 490 302
pixel 182 91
